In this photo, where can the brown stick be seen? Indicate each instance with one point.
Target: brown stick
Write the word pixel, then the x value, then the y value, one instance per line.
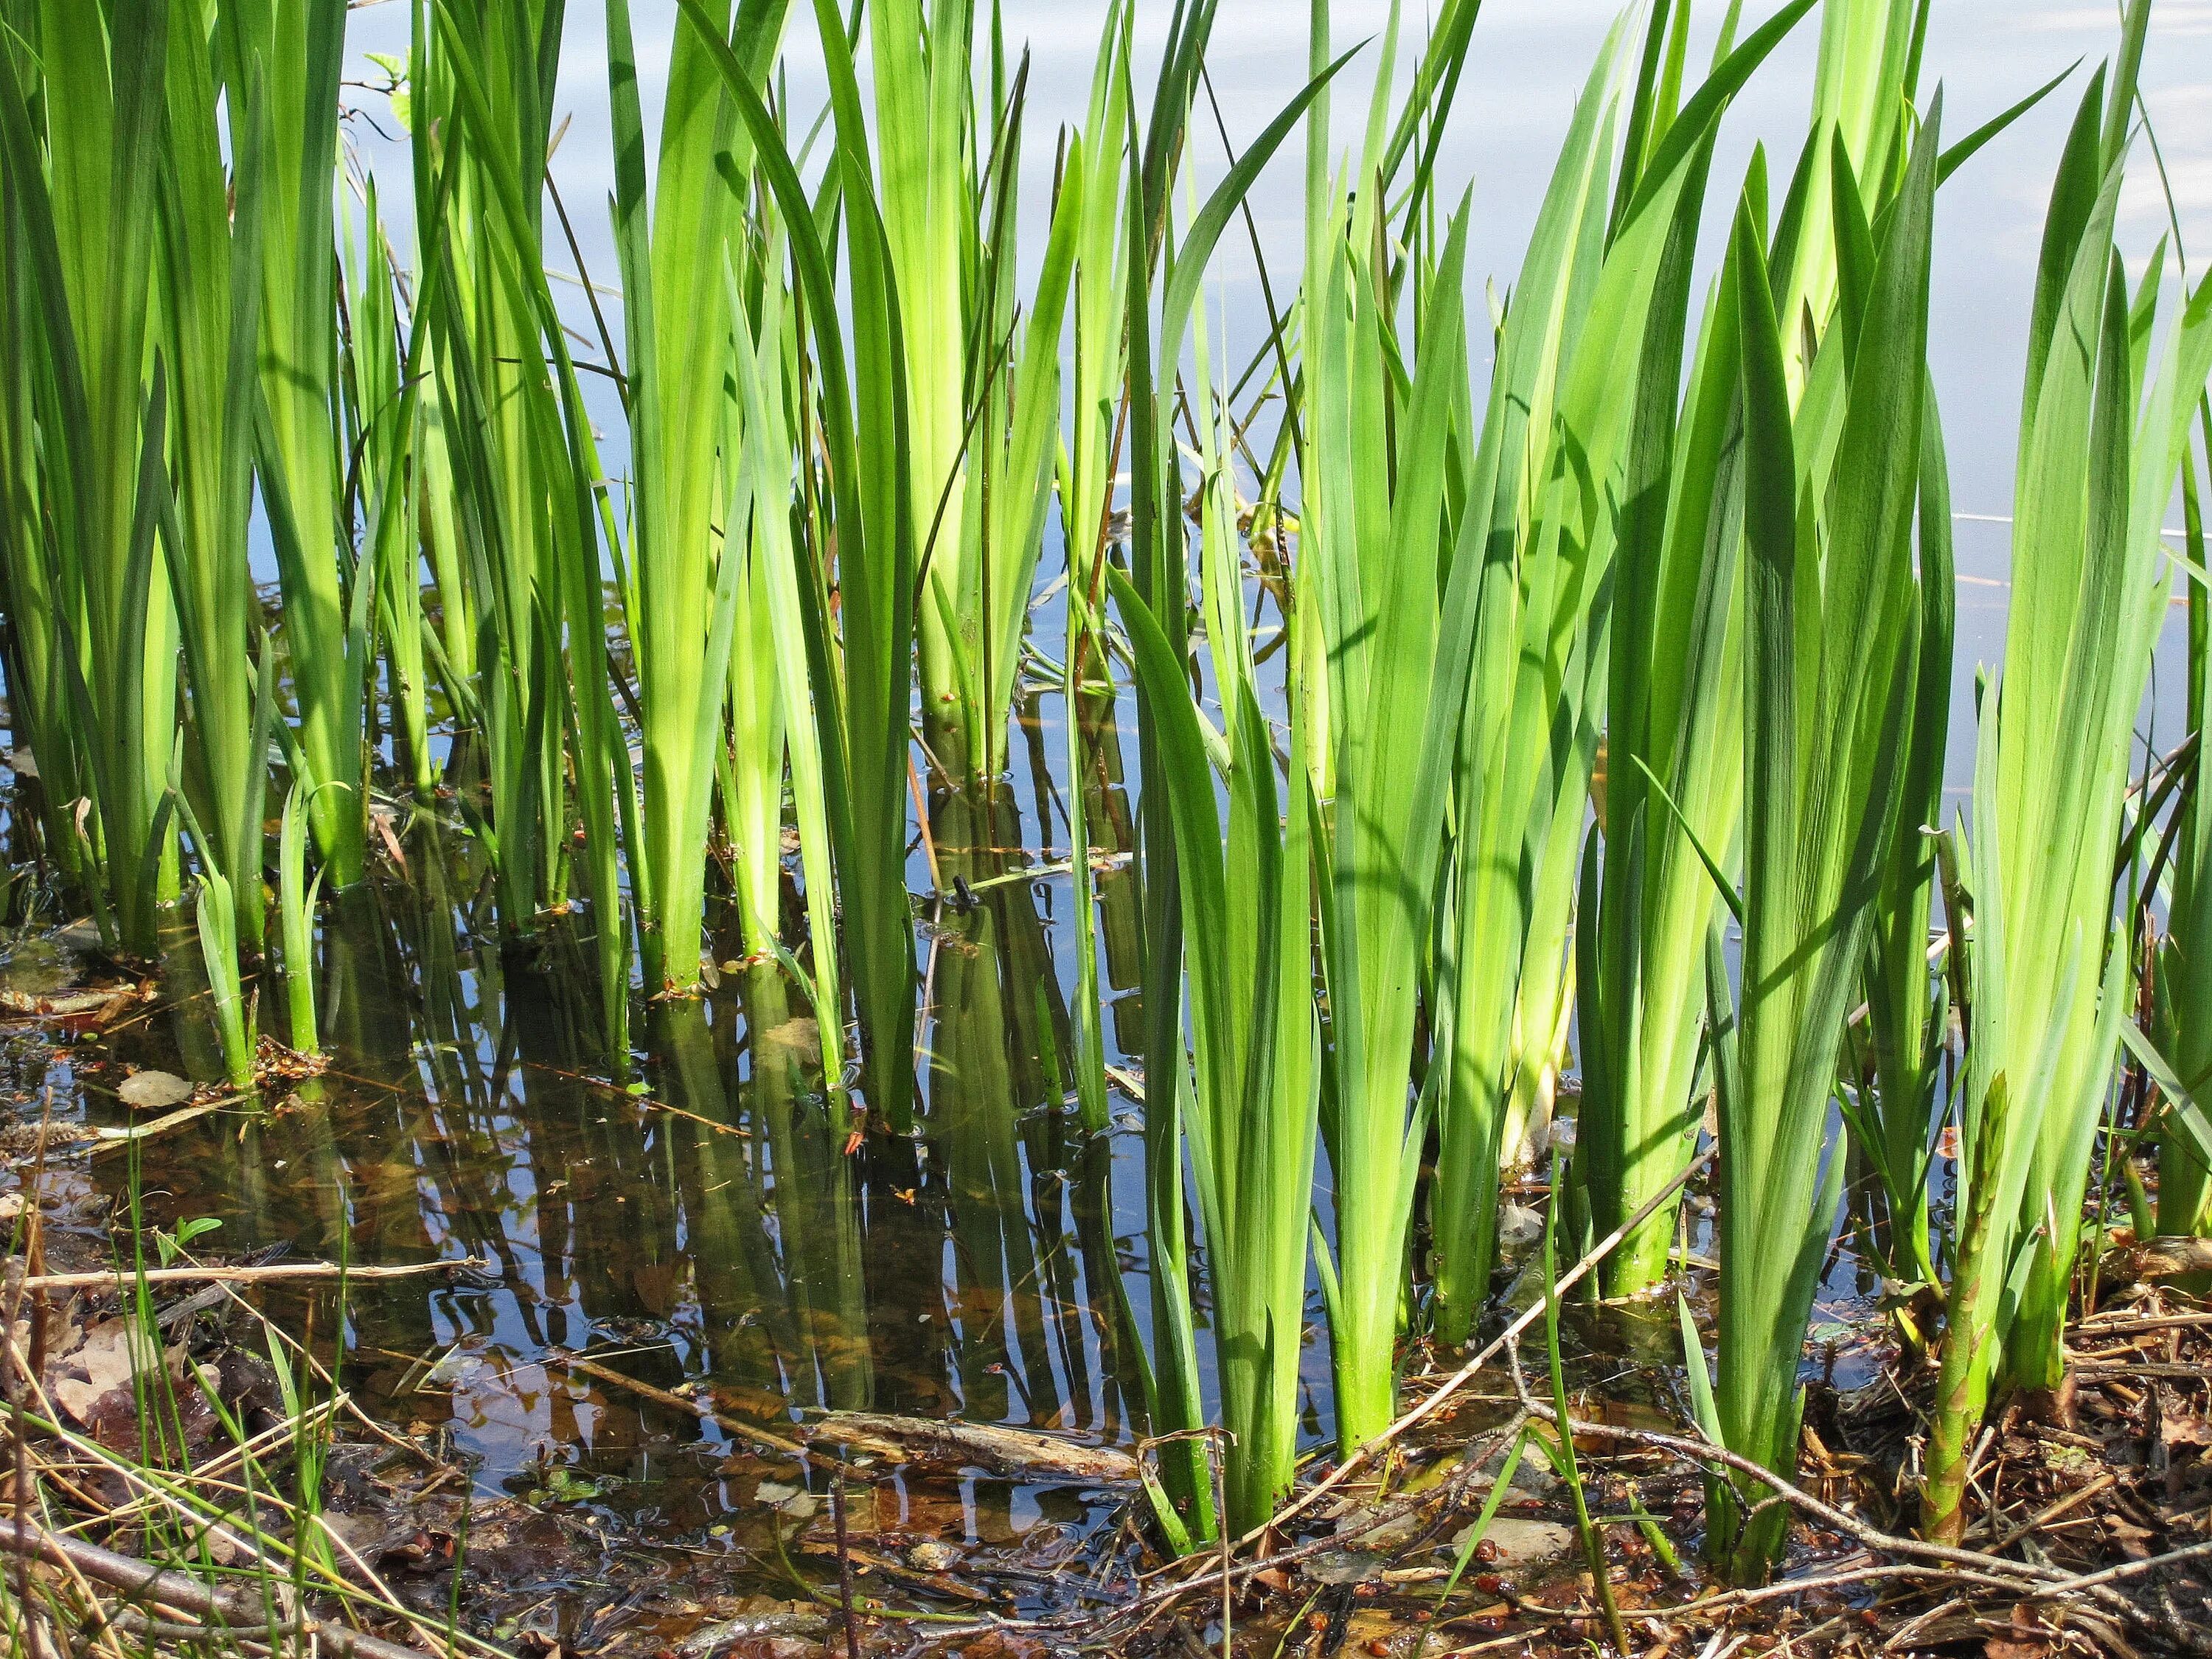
pixel 138 1581
pixel 704 1412
pixel 922 819
pixel 2073 1500
pixel 1874 1572
pixel 2118 1324
pixel 1872 1538
pixel 114 1140
pixel 275 1271
pixel 2125 1570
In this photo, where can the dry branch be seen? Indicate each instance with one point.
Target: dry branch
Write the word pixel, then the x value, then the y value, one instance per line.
pixel 157 1587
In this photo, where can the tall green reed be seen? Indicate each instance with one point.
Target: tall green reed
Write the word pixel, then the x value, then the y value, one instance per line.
pixel 1093 164
pixel 90 601
pixel 497 395
pixel 1155 605
pixel 2075 595
pixel 209 285
pixel 1897 1128
pixel 1673 768
pixel 1510 755
pixel 771 654
pixel 1159 577
pixel 933 149
pixel 983 385
pixel 1373 541
pixel 863 507
pixel 294 48
pixel 1827 515
pixel 2098 457
pixel 1247 1102
pixel 674 249
pixel 573 519
pixel 2183 983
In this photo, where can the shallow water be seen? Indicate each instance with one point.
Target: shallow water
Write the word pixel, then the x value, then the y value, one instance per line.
pixel 688 1218
pixel 693 1228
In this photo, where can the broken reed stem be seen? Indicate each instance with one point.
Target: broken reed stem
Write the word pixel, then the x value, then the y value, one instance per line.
pixel 2072 1501
pixel 243 1453
pixel 704 1412
pixel 264 1275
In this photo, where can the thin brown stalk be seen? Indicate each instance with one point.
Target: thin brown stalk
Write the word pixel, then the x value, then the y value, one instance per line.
pixel 285 1271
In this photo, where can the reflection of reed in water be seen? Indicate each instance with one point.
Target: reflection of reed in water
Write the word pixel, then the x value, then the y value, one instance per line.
pixel 1111 830
pixel 983 1012
pixel 730 1245
pixel 1094 811
pixel 770 1229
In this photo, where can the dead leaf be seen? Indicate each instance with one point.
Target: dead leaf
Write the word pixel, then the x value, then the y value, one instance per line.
pixel 2178 1426
pixel 2027 1638
pixel 92 1380
pixel 657 1283
pixel 154 1091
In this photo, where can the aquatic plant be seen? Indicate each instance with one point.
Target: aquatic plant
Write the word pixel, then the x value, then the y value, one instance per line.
pixel 674 248
pixel 483 319
pixel 1896 1123
pixel 1674 767
pixel 209 298
pixel 294 48
pixel 2183 983
pixel 296 894
pixel 865 510
pixel 89 596
pixel 2098 458
pixel 1546 676
pixel 1249 1067
pixel 1826 713
pixel 1371 545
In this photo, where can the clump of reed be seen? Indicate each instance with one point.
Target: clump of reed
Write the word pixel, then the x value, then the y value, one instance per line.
pixel 1652 638
pixel 2048 969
